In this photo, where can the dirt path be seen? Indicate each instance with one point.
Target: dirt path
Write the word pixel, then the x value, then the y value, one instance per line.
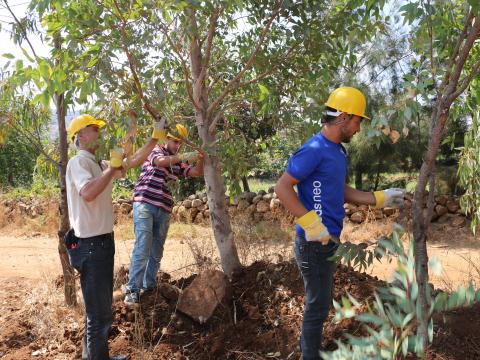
pixel 34 256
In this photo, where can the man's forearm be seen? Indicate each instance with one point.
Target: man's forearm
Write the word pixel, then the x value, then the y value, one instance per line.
pixel 95 187
pixel 167 161
pixel 140 155
pixel 289 198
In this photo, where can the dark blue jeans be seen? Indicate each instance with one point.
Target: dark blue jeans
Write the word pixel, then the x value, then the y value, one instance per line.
pixel 317 273
pixel 93 258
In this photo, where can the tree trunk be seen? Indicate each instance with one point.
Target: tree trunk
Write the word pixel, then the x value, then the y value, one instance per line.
pixel 219 216
pixel 377 177
pixel 420 222
pixel 358 179
pixel 64 225
pixel 245 185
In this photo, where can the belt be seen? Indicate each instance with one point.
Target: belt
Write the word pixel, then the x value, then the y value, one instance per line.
pixel 96 238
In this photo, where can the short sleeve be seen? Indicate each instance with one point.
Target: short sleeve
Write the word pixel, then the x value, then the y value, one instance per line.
pixel 303 162
pixel 81 172
pixel 156 153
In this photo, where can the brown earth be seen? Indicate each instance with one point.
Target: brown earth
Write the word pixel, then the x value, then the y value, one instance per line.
pixel 261 321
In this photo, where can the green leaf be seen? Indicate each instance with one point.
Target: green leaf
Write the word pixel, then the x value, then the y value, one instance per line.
pixel 8 56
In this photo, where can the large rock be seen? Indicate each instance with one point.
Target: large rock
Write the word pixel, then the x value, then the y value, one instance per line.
pixel 440 210
pixel 242 204
pixel 441 200
pixel 263 206
pixel 248 196
pixel 257 198
pixel 187 204
pixel 170 292
pixel 452 206
pixel 197 203
pixel 262 192
pixel 350 208
pixel 192 197
pixel 268 197
pixel 200 299
pixel 358 217
pixel 275 204
pixel 182 212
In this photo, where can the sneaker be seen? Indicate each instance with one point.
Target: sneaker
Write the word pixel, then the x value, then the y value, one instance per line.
pixel 132 298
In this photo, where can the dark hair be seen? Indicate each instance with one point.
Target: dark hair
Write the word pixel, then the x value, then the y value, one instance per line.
pixel 328 118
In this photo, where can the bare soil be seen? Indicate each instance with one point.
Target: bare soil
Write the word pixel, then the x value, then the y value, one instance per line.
pixel 260 321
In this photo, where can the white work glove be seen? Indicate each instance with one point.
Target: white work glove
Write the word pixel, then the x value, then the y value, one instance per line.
pixel 159 130
pixel 189 156
pixel 314 228
pixel 389 198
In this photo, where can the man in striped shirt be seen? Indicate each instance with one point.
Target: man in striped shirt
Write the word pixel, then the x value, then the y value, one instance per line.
pixel 152 206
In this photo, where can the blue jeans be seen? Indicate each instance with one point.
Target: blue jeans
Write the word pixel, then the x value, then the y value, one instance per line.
pixel 93 258
pixel 151 227
pixel 317 273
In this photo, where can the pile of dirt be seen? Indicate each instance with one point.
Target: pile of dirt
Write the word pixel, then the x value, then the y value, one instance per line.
pixel 261 320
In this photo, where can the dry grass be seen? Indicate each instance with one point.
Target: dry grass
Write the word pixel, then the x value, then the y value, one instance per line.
pixel 367 232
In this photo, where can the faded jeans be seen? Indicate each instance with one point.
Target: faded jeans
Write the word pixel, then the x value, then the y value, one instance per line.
pixel 317 273
pixel 151 227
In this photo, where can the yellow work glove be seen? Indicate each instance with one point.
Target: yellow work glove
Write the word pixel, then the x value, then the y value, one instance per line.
pixel 158 130
pixel 116 158
pixel 189 156
pixel 314 229
pixel 389 198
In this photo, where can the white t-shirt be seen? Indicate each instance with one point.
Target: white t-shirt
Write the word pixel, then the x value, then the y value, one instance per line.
pixel 88 218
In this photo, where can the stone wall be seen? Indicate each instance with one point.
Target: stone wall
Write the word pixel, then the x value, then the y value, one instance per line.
pixel 256 207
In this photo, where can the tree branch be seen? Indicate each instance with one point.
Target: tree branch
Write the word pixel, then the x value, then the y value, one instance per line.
pixel 21 26
pixel 460 40
pixel 186 73
pixel 462 58
pixel 233 84
pixel 466 81
pixel 219 115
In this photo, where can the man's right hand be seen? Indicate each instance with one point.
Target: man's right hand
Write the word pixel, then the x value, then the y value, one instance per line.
pixel 314 228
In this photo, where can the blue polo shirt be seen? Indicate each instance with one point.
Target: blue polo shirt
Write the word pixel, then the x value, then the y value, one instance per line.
pixel 320 166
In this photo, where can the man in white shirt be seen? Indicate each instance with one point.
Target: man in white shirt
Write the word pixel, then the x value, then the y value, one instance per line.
pixel 90 243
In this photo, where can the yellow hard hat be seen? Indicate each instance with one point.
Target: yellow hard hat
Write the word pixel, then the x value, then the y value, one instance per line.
pixel 180 134
pixel 348 100
pixel 81 122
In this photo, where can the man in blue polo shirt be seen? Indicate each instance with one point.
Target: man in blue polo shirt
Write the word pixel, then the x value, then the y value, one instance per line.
pixel 318 169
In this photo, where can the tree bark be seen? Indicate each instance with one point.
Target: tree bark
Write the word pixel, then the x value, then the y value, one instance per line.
pixel 245 185
pixel 220 218
pixel 358 179
pixel 64 223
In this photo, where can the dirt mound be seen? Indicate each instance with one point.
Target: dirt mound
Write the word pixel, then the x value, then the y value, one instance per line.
pixel 261 320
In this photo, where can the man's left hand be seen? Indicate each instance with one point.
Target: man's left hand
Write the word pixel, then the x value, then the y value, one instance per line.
pixel 389 198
